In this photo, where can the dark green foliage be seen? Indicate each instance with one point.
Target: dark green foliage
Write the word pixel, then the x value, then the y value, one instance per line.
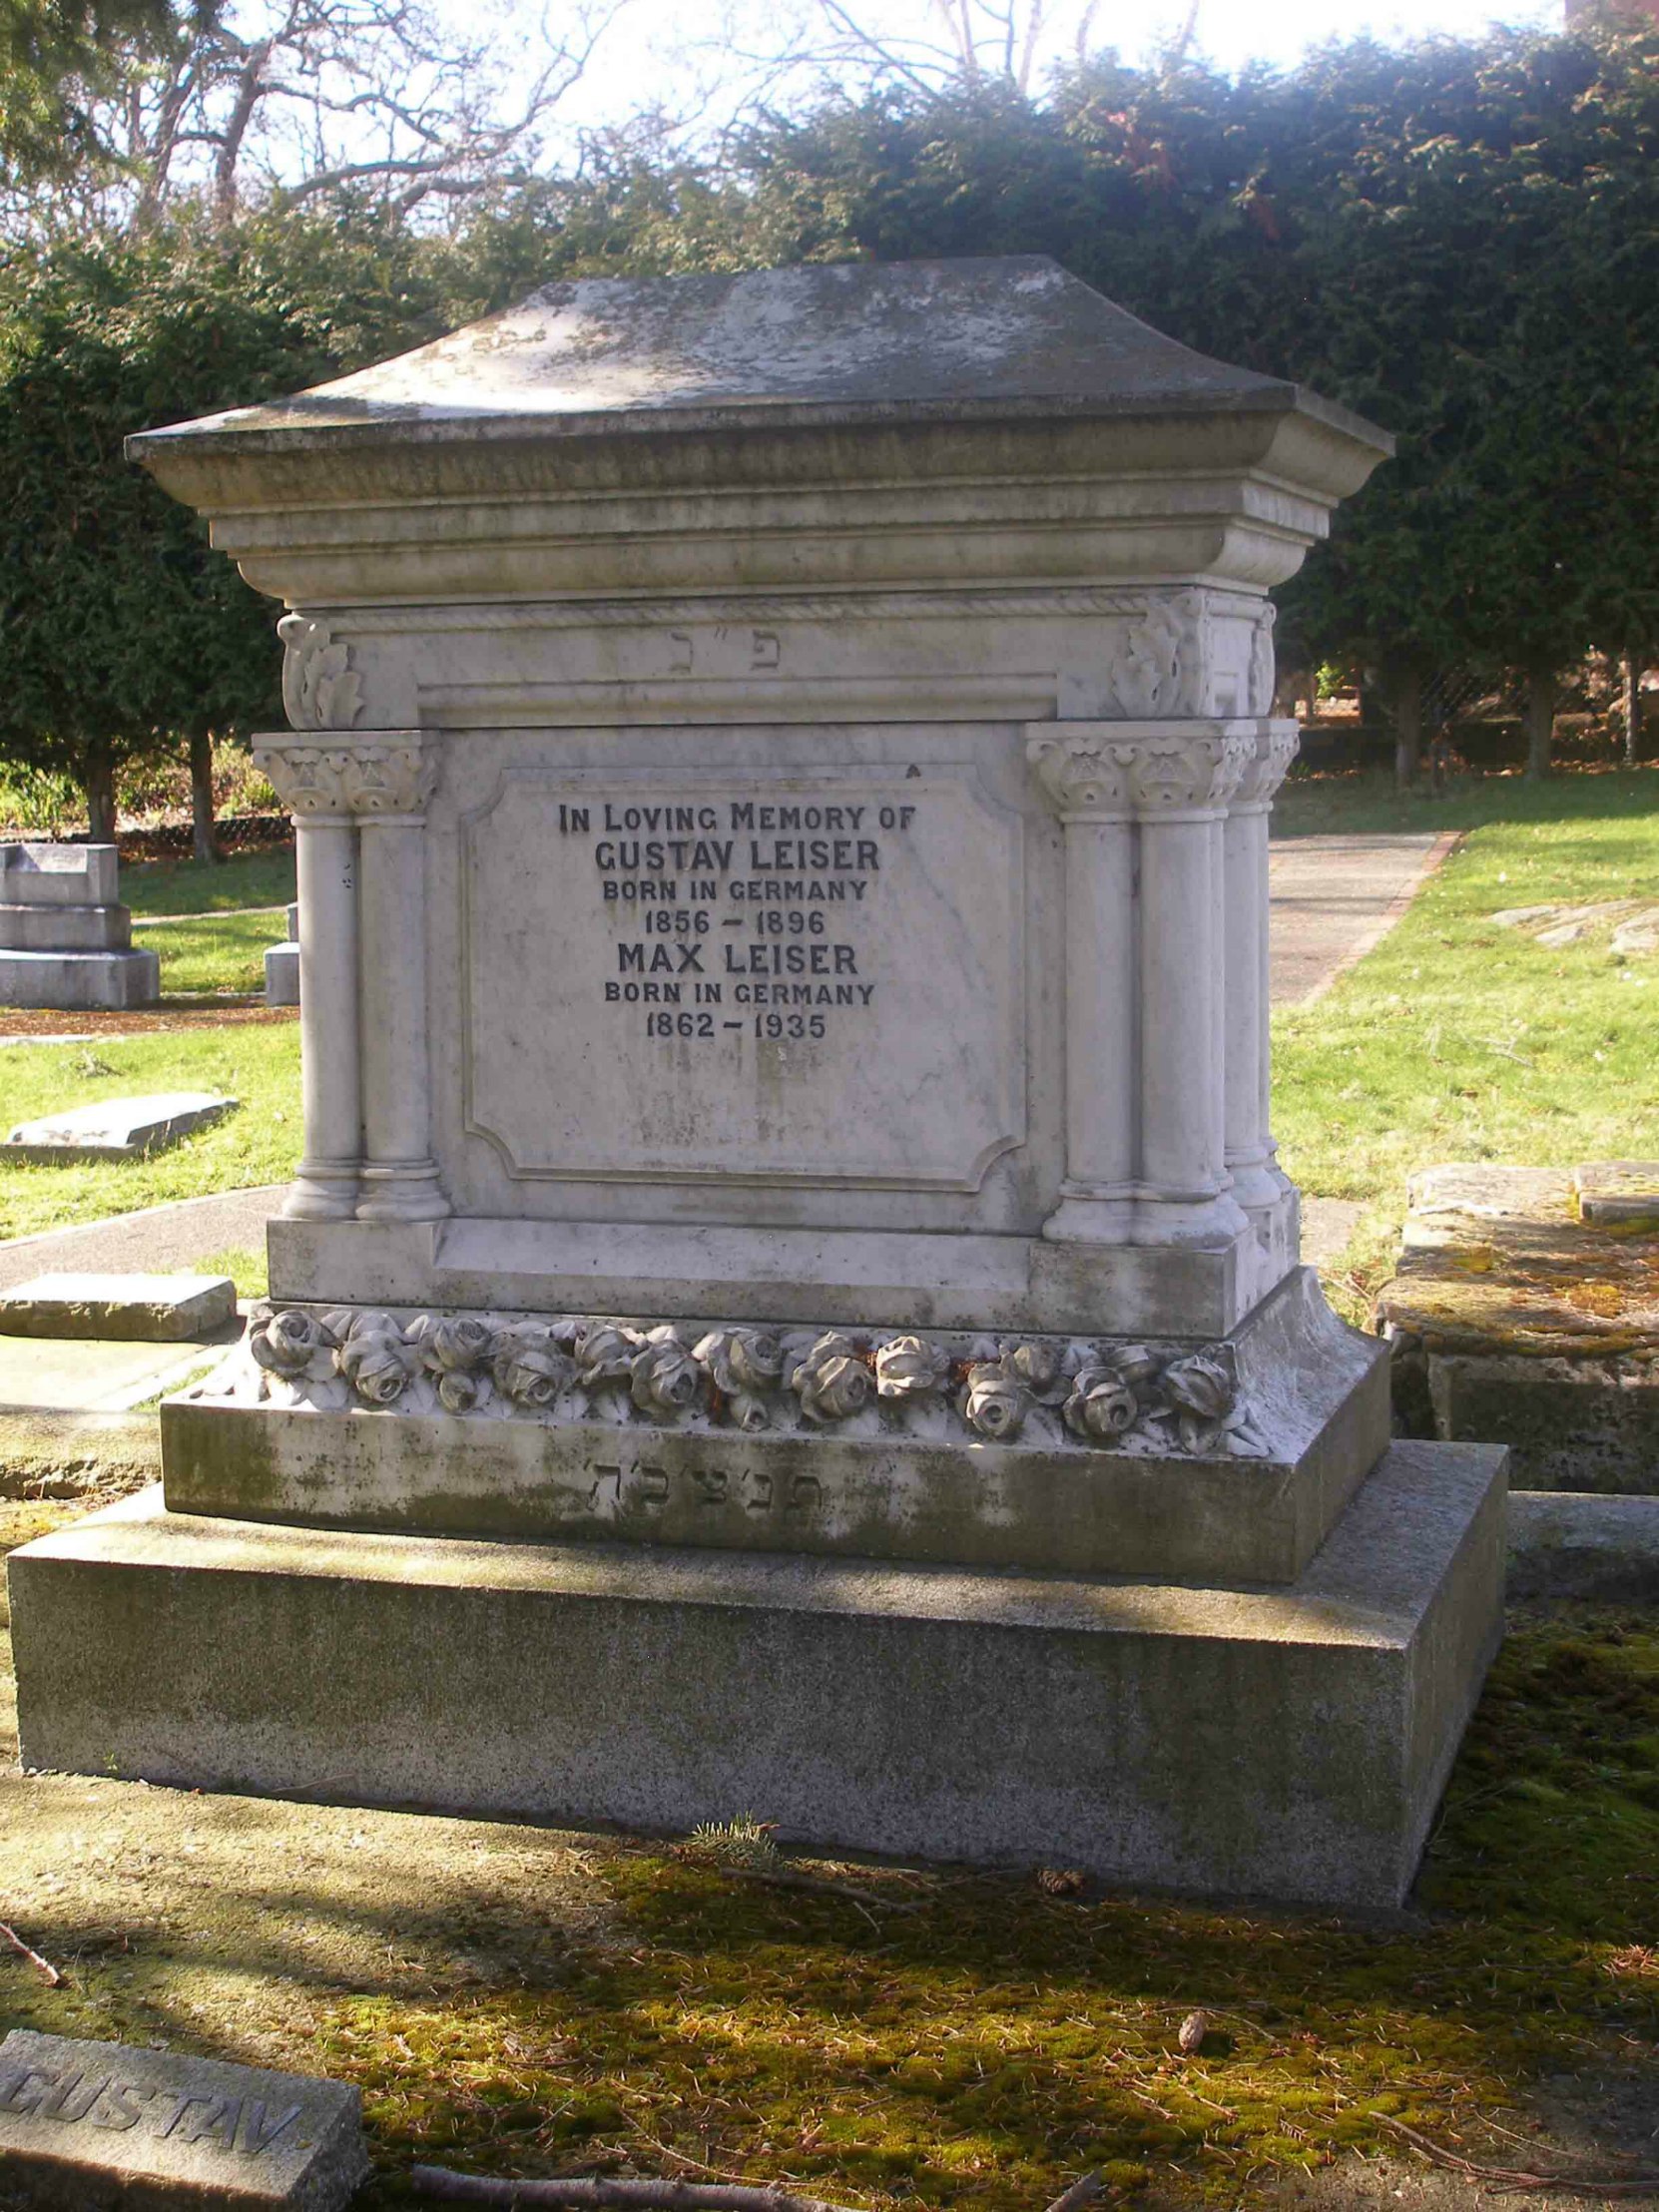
pixel 121 632
pixel 53 54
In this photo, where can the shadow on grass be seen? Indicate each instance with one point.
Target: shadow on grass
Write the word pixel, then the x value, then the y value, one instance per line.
pixel 989 2042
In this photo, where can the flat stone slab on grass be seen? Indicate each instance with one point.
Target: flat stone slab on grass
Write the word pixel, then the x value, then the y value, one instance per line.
pixel 82 1374
pixel 117 1128
pixel 1619 1194
pixel 157 1308
pixel 1516 1320
pixel 89 2125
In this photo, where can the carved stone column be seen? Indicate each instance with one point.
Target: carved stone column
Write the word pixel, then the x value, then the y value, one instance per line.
pixel 1258 1183
pixel 1181 779
pixel 391 781
pixel 1084 777
pixel 310 777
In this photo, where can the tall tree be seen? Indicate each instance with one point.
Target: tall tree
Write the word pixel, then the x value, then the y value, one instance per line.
pixel 121 633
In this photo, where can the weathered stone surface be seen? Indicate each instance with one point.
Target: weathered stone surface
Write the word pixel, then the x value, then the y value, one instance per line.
pixel 157 1309
pixel 1565 1545
pixel 117 1128
pixel 1289 1743
pixel 80 979
pixel 974 1452
pixel 92 2128
pixel 1498 1260
pixel 1570 1423
pixel 1619 1194
pixel 1515 1321
pixel 65 929
pixel 58 875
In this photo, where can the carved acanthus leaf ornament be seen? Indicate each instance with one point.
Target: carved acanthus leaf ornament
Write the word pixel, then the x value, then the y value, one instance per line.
pixel 320 688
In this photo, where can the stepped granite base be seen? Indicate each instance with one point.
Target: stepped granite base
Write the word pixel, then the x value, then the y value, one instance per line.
pixel 1289 1743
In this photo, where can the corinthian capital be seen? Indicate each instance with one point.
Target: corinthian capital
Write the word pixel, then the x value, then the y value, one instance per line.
pixel 392 774
pixel 1180 774
pixel 1276 745
pixel 1081 775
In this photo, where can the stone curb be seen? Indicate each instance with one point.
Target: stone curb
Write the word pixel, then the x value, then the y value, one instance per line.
pixel 1583 1545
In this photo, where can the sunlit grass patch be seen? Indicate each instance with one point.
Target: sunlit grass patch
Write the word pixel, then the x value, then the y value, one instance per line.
pixel 257 1063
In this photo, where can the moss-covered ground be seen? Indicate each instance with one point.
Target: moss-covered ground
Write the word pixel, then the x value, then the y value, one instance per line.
pixel 1456 1040
pixel 513 2000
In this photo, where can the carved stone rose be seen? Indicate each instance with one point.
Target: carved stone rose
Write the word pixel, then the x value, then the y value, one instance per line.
pixel 667 1381
pixel 1101 1406
pixel 744 1364
pixel 293 1344
pixel 529 1367
pixel 605 1354
pixel 1039 1367
pixel 994 1401
pixel 830 1379
pixel 377 1359
pixel 454 1345
pixel 1200 1392
pixel 910 1367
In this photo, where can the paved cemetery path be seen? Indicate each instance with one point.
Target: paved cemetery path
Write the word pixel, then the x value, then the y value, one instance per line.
pixel 157 1241
pixel 1334 898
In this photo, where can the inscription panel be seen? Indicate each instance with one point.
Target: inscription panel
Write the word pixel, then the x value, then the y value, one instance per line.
pixel 785 977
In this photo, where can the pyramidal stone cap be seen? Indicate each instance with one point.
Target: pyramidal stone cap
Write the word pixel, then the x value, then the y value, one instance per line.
pixel 848 342
pixel 826 427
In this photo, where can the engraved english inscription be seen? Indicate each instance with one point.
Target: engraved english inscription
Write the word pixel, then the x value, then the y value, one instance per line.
pixel 802 978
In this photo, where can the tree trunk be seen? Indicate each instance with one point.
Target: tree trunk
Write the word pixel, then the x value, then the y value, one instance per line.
pixel 1632 708
pixel 99 779
pixel 1540 719
pixel 1406 702
pixel 204 841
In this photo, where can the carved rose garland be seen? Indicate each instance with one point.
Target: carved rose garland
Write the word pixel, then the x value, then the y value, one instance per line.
pixel 1040 1393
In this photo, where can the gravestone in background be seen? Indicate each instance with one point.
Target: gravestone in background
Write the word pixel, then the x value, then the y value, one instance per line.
pixel 789 1299
pixel 65 938
pixel 281 965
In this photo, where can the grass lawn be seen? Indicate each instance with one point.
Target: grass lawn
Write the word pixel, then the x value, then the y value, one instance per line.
pixel 1455 1040
pixel 260 878
pixel 213 952
pixel 258 1063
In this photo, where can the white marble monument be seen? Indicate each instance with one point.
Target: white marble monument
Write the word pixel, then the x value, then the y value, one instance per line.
pixel 788 1208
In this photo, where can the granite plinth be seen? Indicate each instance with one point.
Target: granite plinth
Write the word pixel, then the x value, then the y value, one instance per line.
pixel 1288 1743
pixel 153 1308
pixel 116 1128
pixel 101 2127
pixel 902 1478
pixel 281 975
pixel 79 979
pixel 48 875
pixel 65 929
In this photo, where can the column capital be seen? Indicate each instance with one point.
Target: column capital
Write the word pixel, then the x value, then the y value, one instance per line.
pixel 332 774
pixel 1276 749
pixel 1105 771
